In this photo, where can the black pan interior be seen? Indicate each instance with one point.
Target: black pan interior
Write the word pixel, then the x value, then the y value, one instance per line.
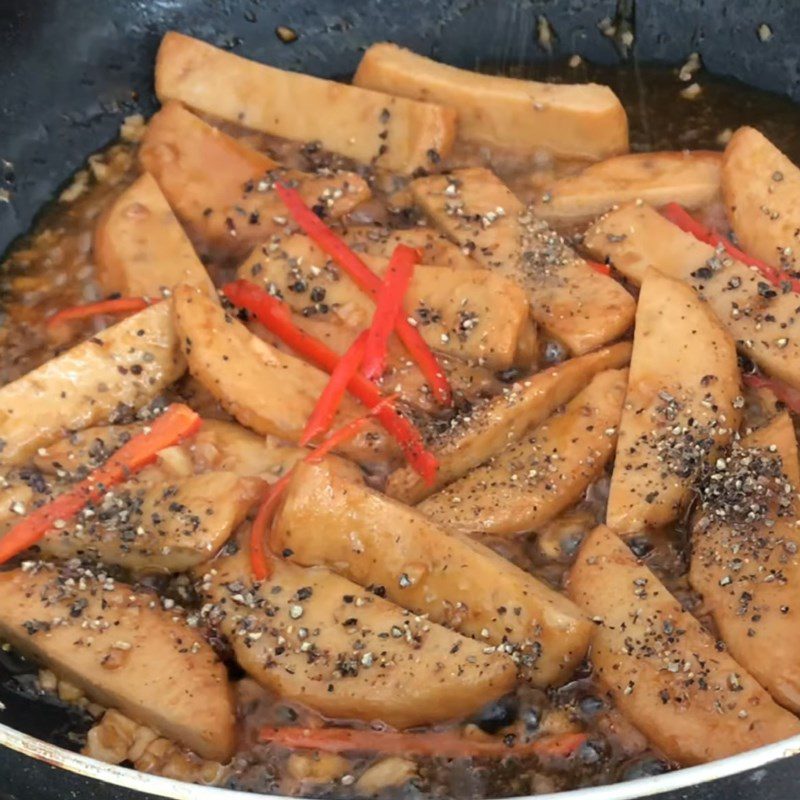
pixel 71 70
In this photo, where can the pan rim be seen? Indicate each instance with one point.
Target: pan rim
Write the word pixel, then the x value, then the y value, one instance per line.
pixel 172 789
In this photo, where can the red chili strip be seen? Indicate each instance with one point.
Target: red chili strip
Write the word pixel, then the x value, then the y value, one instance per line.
pixel 348 431
pixel 679 216
pixel 329 401
pixel 603 269
pixel 370 283
pixel 788 395
pixel 388 308
pixel 177 423
pixel 442 744
pixel 274 316
pixel 119 305
pixel 260 560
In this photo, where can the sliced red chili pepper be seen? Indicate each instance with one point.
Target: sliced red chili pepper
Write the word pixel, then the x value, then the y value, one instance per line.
pixel 331 398
pixel 370 283
pixel 603 269
pixel 260 560
pixel 444 744
pixel 119 305
pixel 348 431
pixel 679 216
pixel 175 424
pixel 272 314
pixel 787 394
pixel 388 307
pixel 276 317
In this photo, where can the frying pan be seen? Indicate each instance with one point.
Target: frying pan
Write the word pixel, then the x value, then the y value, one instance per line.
pixel 71 69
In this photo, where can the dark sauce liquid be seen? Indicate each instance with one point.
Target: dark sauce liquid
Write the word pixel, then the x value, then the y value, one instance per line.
pixel 51 268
